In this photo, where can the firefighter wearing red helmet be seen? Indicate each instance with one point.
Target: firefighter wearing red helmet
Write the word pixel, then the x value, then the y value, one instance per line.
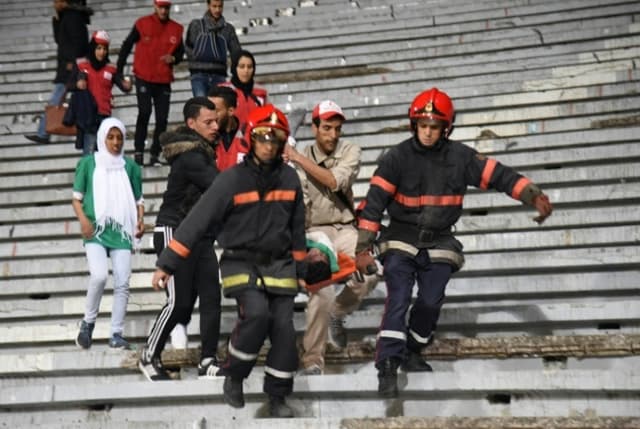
pixel 267 123
pixel 421 183
pixel 256 211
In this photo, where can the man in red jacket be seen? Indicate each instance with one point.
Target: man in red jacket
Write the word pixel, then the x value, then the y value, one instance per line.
pixel 159 48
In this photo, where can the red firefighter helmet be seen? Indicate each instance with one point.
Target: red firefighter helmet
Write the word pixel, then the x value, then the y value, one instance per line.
pixel 267 122
pixel 432 104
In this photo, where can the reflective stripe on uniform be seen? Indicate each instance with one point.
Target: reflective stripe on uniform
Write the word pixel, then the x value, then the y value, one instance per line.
pixel 179 248
pixel 519 187
pixel 428 200
pixel 368 225
pixel 279 374
pixel 287 282
pixel 280 195
pixel 398 335
pixel 447 256
pixel 435 255
pixel 384 184
pixel 419 339
pixel 246 198
pixel 487 172
pixel 243 279
pixel 398 245
pixel 248 357
pixel 235 280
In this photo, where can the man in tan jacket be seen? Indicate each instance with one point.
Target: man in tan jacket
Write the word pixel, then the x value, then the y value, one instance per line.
pixel 327 169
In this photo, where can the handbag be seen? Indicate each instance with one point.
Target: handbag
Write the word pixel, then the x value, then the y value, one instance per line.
pixel 54 117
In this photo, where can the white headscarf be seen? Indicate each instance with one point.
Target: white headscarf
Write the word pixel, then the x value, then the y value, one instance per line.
pixel 113 198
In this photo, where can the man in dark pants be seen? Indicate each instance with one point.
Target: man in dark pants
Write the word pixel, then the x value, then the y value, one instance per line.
pixel 189 150
pixel 71 34
pixel 257 207
pixel 159 48
pixel 421 183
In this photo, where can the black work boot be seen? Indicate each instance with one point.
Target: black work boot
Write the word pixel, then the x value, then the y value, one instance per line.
pixel 233 394
pixel 415 363
pixel 279 408
pixel 388 378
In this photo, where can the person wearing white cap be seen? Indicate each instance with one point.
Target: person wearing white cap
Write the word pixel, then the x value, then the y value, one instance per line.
pixel 96 75
pixel 153 63
pixel 327 170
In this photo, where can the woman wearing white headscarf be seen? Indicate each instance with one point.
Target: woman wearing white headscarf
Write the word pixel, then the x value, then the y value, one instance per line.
pixel 107 200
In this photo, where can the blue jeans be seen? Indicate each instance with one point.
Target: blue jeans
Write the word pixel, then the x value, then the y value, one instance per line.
pixel 201 82
pixel 89 143
pixel 54 100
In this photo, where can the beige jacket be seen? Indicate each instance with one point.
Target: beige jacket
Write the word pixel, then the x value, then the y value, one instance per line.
pixel 322 205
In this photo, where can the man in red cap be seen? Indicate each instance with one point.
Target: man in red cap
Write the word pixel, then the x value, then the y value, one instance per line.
pixel 327 171
pixel 153 63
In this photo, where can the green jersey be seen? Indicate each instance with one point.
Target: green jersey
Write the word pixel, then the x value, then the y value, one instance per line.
pixel 83 190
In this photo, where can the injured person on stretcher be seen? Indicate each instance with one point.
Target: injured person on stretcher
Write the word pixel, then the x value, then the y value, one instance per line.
pixel 325 266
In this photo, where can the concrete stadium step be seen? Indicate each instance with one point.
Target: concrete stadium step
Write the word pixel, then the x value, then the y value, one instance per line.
pixel 421 394
pixel 623 193
pixel 473 242
pixel 55 320
pixel 594 282
pixel 549 168
pixel 478 232
pixel 548 87
pixel 541 352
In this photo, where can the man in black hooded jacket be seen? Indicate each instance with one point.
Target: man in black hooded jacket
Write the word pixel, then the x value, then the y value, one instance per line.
pixel 190 153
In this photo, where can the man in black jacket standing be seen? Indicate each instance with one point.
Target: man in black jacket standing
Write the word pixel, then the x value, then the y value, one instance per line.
pixel 71 34
pixel 189 150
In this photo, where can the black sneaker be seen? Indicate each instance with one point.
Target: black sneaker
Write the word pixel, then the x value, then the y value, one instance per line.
pixel 208 368
pixel 388 378
pixel 85 335
pixel 36 138
pixel 138 157
pixel 278 407
pixel 337 333
pixel 232 392
pixel 415 363
pixel 152 368
pixel 118 342
pixel 154 161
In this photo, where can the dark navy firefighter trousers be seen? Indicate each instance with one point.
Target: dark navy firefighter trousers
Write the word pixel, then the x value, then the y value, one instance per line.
pixel 401 272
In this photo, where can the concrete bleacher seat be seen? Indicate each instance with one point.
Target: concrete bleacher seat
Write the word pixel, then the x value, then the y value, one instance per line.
pixel 540 327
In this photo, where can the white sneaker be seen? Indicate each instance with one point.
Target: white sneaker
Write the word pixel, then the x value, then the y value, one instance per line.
pixel 179 339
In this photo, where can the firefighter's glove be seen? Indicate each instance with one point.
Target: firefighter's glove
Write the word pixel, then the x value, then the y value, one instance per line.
pixel 366 263
pixel 543 206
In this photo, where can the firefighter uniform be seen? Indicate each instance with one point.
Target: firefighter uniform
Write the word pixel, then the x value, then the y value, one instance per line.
pixel 259 213
pixel 422 188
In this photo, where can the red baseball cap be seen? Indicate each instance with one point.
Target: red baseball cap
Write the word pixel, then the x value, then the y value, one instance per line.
pixel 162 2
pixel 101 37
pixel 327 109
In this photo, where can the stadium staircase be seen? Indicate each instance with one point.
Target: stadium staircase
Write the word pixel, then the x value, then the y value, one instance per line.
pixel 541 329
